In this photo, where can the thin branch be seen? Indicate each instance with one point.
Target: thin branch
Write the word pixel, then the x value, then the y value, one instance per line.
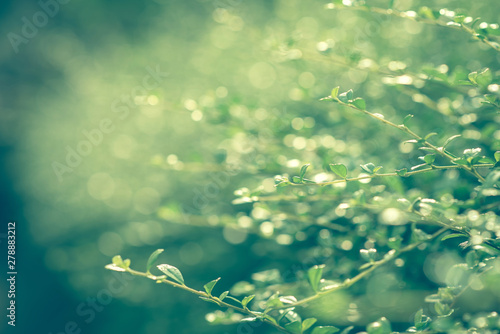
pixel 439 150
pixel 221 303
pixel 365 177
pixel 405 14
pixel 351 281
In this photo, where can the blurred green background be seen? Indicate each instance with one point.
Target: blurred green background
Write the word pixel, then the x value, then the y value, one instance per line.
pixel 237 87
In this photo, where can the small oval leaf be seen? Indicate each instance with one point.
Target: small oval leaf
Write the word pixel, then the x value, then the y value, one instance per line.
pixel 152 259
pixel 335 92
pixel 339 169
pixel 247 300
pixel 171 272
pixel 314 274
pixel 359 103
pixel 210 285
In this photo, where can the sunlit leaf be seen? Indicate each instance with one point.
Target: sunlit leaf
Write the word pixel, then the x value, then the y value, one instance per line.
pixel 171 272
pixel 152 259
pixel 314 274
pixel 335 92
pixel 247 300
pixel 303 171
pixel 210 285
pixel 359 103
pixel 307 323
pixel 294 327
pixel 339 169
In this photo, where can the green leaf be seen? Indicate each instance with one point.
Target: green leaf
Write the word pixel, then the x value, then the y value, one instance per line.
pixel 283 184
pixel 382 326
pixel 421 321
pixel 152 259
pixel 314 274
pixel 114 267
pixel 247 300
pixel 210 285
pixel 453 235
pixel 430 135
pixel 484 160
pixel 306 324
pixel 484 78
pixel 118 264
pixel 347 330
pixel 223 295
pixel 339 169
pixel 443 310
pixel 294 327
pixel 459 18
pixel 303 171
pixel 335 92
pixel 427 13
pixel 370 168
pixel 325 330
pixel 418 316
pixel 391 4
pixel 359 103
pixel 406 119
pixel 429 159
pixel 497 155
pixel 350 94
pixel 343 97
pixel 171 272
pixel 472 77
pixel 449 140
pixel 402 172
pixel 117 259
pixel 288 299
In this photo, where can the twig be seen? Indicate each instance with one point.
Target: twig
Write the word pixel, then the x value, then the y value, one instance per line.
pixel 351 281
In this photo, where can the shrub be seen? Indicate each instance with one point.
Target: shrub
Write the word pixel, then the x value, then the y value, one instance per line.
pixel 386 213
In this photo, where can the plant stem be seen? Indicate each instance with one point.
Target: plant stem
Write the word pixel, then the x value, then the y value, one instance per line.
pixel 351 281
pixel 457 229
pixel 392 12
pixel 364 177
pixel 439 150
pixel 162 279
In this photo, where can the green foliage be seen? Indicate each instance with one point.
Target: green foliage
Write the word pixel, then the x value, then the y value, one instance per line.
pixel 430 222
pixel 314 274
